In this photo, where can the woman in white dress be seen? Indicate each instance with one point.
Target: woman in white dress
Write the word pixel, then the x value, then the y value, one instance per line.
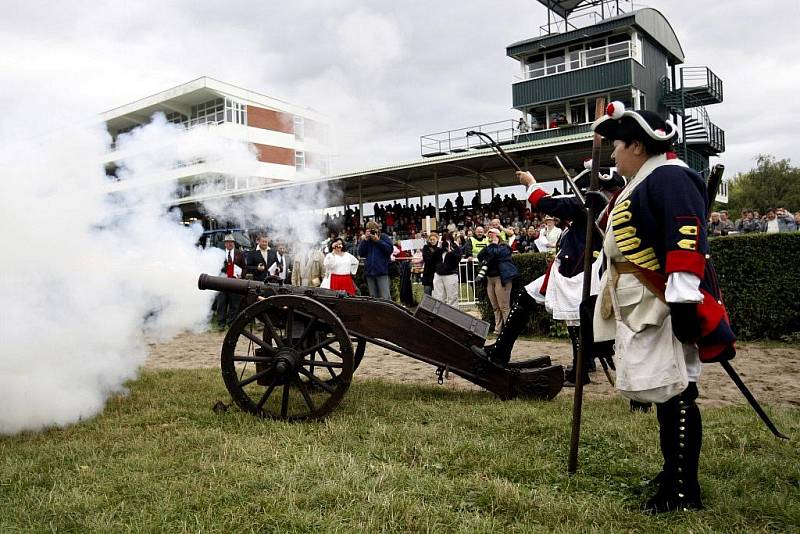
pixel 340 267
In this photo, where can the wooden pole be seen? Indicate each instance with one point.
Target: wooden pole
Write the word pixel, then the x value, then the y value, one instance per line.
pixel 588 257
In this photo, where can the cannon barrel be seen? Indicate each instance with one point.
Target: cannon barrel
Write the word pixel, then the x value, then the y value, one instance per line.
pixel 228 285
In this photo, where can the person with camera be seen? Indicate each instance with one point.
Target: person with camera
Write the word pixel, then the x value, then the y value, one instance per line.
pixel 499 272
pixel 445 278
pixel 429 262
pixel 280 270
pixel 340 267
pixel 376 248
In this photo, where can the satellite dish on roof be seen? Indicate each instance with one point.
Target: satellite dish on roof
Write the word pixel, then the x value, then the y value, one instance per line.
pixel 562 8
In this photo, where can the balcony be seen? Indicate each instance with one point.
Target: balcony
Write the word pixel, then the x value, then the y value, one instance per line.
pixel 454 141
pixel 696 86
pixel 571 83
pixel 503 132
pixel 704 136
pixel 579 59
pixel 561 131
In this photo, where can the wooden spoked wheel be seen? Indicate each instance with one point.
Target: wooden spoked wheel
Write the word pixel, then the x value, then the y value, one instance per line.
pixel 287 357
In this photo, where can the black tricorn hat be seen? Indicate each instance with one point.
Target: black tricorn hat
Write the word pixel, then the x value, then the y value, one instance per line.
pixel 608 180
pixel 619 123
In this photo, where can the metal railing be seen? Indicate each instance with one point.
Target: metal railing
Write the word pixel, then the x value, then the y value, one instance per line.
pixel 583 59
pixel 701 77
pixel 457 140
pixel 467 295
pixel 693 158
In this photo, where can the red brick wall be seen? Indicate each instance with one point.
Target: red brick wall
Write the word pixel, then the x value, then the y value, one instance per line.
pixel 270 120
pixel 274 154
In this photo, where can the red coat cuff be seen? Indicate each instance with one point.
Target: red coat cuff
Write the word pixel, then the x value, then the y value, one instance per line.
pixel 536 196
pixel 686 261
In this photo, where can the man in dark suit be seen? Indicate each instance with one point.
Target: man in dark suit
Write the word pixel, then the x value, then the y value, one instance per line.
pixel 259 259
pixel 280 265
pixel 233 267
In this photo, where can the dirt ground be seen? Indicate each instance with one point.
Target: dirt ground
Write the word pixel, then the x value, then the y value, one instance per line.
pixel 771 372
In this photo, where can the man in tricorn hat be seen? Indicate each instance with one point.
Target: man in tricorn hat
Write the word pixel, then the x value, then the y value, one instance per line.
pixel 658 297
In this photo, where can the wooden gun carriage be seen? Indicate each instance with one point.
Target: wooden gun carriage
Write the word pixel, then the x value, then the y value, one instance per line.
pixel 291 353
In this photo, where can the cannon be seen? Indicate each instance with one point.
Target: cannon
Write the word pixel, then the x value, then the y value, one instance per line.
pixel 291 352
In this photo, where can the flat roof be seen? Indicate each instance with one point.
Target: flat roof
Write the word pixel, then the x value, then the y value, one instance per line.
pixel 181 97
pixel 453 172
pixel 649 20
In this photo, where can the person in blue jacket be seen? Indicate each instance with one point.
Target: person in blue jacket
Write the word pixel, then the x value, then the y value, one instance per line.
pixel 500 274
pixel 377 248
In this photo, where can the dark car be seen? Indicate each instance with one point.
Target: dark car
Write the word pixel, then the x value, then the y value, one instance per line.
pixel 216 238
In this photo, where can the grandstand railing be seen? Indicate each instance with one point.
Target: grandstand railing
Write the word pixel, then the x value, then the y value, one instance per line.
pixel 436 144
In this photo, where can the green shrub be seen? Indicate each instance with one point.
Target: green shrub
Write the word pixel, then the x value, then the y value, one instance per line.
pixel 759 275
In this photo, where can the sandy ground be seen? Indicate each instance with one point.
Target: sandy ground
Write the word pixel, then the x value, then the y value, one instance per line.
pixel 772 373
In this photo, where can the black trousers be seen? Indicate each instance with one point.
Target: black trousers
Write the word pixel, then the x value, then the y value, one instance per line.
pixel 228 305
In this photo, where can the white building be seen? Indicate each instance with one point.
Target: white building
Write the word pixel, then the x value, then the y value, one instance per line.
pixel 290 141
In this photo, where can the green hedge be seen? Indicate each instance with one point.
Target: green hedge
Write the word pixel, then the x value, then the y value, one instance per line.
pixel 760 279
pixel 759 275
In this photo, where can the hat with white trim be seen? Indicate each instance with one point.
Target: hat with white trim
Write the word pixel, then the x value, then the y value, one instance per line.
pixel 628 124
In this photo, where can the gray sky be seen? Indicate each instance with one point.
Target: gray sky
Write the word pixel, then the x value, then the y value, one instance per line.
pixel 386 72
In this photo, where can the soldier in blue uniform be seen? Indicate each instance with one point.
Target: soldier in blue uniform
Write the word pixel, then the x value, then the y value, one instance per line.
pixel 564 280
pixel 658 297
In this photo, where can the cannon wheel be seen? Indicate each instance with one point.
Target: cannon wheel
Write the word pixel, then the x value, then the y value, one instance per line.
pixel 287 357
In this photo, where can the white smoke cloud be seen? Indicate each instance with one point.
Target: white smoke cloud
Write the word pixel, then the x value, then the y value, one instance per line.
pixel 292 214
pixel 85 276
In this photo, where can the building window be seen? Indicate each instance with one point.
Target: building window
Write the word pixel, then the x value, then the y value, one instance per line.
pixel 299 160
pixel 208 112
pixel 625 96
pixel 176 118
pixel 638 48
pixel 535 66
pixel 299 128
pixel 235 112
pixel 577 111
pixel 597 52
pixel 555 62
pixel 575 57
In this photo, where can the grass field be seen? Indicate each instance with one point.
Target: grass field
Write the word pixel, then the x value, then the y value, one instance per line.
pixel 392 458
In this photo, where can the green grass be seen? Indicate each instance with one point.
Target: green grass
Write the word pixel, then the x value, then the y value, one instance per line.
pixel 391 458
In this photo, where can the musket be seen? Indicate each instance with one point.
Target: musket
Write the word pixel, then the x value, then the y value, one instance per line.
pixel 497 148
pixel 594 185
pixel 714 180
pixel 575 189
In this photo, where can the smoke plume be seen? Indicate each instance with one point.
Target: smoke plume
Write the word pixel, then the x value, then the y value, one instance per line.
pixel 87 276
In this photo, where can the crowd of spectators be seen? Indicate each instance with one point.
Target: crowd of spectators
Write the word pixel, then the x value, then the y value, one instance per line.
pixel 461 232
pixel 773 221
pixel 519 225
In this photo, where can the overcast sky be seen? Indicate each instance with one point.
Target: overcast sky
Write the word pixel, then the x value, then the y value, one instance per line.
pixel 386 72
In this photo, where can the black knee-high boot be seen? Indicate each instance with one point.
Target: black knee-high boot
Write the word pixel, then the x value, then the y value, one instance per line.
pixel 500 350
pixel 680 435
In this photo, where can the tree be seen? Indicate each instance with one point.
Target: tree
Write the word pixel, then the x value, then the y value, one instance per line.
pixel 772 183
